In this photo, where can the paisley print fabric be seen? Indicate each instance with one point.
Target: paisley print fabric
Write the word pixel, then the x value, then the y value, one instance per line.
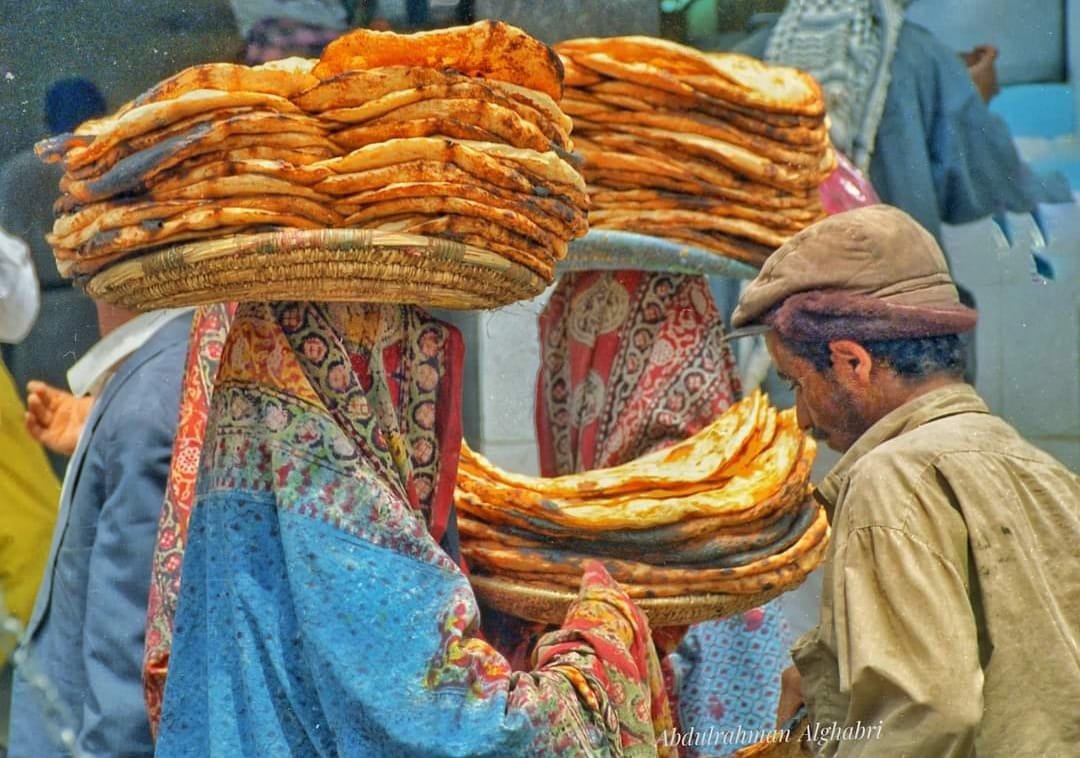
pixel 630 361
pixel 209 327
pixel 318 614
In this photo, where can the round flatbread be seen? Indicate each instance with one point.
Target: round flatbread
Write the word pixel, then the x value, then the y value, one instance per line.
pixel 487 49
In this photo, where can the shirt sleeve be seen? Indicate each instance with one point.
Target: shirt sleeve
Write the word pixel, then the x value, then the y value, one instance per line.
pixel 976 167
pixel 907 642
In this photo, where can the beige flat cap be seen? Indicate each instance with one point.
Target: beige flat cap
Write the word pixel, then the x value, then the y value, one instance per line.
pixel 877 252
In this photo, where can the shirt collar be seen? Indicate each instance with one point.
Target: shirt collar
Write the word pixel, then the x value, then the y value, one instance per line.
pixel 91 372
pixel 944 401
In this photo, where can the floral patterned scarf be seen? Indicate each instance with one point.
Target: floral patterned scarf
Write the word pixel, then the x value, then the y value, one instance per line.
pixel 209 328
pixel 630 361
pixel 332 440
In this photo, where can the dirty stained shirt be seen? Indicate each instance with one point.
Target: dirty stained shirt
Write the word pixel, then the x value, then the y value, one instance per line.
pixel 950 613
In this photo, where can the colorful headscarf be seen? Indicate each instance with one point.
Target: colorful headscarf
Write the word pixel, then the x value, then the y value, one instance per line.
pixel 209 328
pixel 329 462
pixel 630 361
pixel 848 45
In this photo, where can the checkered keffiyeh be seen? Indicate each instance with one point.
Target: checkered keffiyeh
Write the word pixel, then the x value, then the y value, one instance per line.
pixel 848 45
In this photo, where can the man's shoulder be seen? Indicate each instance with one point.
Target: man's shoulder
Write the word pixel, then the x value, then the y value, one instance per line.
pixel 147 385
pixel 962 442
pixel 159 354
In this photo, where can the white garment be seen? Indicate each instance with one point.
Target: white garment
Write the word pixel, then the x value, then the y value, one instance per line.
pixel 19 296
pixel 848 46
pixel 91 372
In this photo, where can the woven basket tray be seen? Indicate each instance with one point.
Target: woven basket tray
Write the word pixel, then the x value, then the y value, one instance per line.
pixel 549 606
pixel 611 250
pixel 349 265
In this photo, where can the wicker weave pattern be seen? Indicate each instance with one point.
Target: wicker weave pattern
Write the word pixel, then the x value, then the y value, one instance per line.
pixel 549 606
pixel 345 265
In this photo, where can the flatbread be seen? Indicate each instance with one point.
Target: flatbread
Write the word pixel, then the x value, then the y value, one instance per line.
pixel 662 53
pixel 623 202
pixel 786 572
pixel 242 121
pixel 515 222
pixel 547 165
pixel 767 86
pixel 364 88
pixel 240 160
pixel 285 78
pixel 552 215
pixel 240 185
pixel 149 214
pixel 729 76
pixel 233 120
pixel 373 134
pixel 578 76
pixel 686 219
pixel 703 457
pixel 716 129
pixel 217 169
pixel 799 133
pixel 486 49
pixel 479 158
pixel 507 515
pixel 138 169
pixel 73 230
pixel 576 107
pixel 728 155
pixel 495 119
pixel 703 170
pixel 607 160
pixel 156 115
pixel 209 217
pixel 711 570
pixel 487 236
pixel 465 90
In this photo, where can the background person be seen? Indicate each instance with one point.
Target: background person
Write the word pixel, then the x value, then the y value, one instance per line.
pixel 29 490
pixel 67 324
pixel 87 627
pixel 951 601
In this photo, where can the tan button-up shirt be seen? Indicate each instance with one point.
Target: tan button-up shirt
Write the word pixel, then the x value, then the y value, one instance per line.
pixel 950 614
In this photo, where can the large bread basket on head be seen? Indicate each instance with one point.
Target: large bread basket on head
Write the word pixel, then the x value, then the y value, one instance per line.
pixel 326 265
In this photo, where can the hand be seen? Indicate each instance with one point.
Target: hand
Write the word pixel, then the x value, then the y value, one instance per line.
pixel 791 696
pixel 55 418
pixel 667 638
pixel 980 65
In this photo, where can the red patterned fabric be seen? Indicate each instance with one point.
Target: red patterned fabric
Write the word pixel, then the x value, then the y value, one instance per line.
pixel 208 331
pixel 630 361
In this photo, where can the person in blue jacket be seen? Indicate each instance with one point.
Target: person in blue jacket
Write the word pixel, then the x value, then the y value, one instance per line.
pixel 78 677
pixel 904 108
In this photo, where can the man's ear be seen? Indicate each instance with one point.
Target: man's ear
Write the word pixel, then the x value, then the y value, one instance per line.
pixel 851 362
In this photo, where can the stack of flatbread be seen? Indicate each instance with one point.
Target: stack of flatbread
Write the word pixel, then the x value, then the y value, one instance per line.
pixel 717 150
pixel 214 150
pixel 726 511
pixel 455 133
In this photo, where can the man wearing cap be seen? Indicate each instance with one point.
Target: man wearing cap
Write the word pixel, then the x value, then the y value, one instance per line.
pixel 950 612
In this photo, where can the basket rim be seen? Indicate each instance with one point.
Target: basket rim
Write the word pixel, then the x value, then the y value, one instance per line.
pixel 616 250
pixel 363 261
pixel 658 609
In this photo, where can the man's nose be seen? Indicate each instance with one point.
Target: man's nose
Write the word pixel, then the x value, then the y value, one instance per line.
pixel 802 415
